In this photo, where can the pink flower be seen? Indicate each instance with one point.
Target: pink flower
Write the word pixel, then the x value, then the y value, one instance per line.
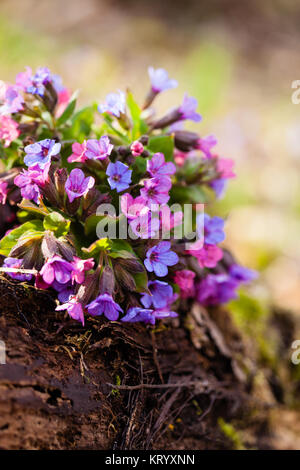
pixel 180 157
pixel 224 167
pixel 24 79
pixel 3 192
pixel 156 190
pixel 8 130
pixel 157 166
pixel 169 219
pixel 207 255
pixel 78 154
pixel 63 96
pixel 80 266
pixel 74 309
pixel 133 208
pixel 185 280
pixel 77 185
pixel 136 148
pixel 98 149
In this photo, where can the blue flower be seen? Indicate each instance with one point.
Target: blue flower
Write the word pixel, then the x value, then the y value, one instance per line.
pixel 162 295
pixel 119 176
pixel 41 152
pixel 211 228
pixel 159 258
pixel 160 80
pixel 104 304
pixel 146 315
pixel 39 79
pixel 242 274
pixel 115 104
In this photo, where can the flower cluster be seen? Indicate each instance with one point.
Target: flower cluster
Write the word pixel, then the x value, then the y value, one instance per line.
pixel 62 172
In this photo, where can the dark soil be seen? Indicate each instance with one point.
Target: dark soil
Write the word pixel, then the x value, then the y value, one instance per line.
pixel 118 386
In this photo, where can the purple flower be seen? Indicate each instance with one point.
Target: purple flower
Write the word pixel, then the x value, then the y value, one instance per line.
pixel 159 258
pixel 205 144
pixel 13 100
pixel 80 266
pixel 3 192
pixel 137 314
pixel 145 225
pixel 98 149
pixel 119 176
pixel 155 190
pixel 74 309
pixel 161 295
pixel 219 186
pixel 157 166
pixel 187 109
pixel 30 181
pixel 216 289
pixel 39 79
pixel 242 274
pixel 56 268
pixel 16 263
pixel 114 104
pixel 41 152
pixel 213 229
pixel 104 304
pixel 77 185
pixel 65 291
pixel 160 80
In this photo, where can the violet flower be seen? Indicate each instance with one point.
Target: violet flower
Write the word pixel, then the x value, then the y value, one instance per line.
pixel 77 185
pixel 161 295
pixel 105 304
pixel 157 166
pixel 74 309
pixel 39 79
pixel 30 181
pixel 3 192
pixel 147 316
pixel 187 110
pixel 12 100
pixel 213 230
pixel 160 80
pixel 98 149
pixel 64 291
pixel 145 226
pixel 114 104
pixel 216 289
pixel 242 274
pixel 56 268
pixel 205 144
pixel 156 190
pixel 41 152
pixel 80 266
pixel 159 258
pixel 16 263
pixel 119 176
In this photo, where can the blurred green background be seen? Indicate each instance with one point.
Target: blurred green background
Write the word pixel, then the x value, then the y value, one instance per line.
pixel 238 58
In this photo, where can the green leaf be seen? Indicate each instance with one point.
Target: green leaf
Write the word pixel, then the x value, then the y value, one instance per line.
pixel 68 111
pixel 104 244
pixel 119 245
pixel 139 169
pixel 57 224
pixel 139 126
pixel 163 144
pixel 34 228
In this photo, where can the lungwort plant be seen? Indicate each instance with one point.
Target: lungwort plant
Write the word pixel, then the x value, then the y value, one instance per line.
pixel 101 204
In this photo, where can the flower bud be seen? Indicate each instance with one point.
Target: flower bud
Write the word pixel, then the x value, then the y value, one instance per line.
pixel 186 140
pixel 124 278
pixel 107 281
